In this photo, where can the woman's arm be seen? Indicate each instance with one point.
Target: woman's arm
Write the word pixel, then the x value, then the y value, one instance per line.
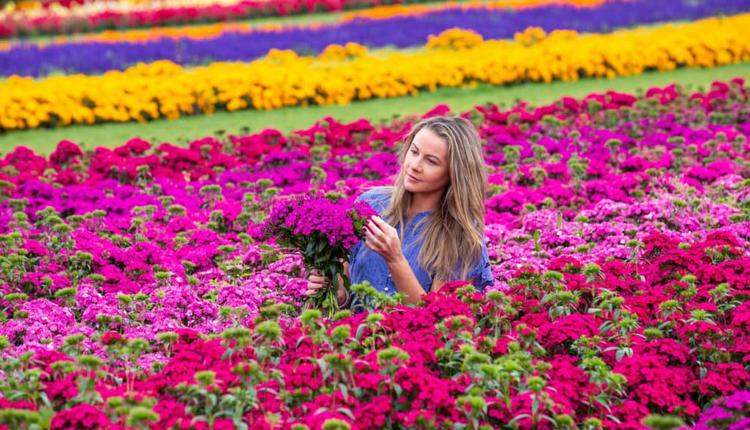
pixel 383 239
pixel 405 280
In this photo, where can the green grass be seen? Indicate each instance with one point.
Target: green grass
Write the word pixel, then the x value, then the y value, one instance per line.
pixel 177 131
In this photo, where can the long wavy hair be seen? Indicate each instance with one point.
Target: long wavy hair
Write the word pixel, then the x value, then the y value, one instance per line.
pixel 453 233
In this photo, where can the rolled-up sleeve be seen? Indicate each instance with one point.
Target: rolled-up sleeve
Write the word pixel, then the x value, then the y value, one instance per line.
pixel 481 275
pixel 378 200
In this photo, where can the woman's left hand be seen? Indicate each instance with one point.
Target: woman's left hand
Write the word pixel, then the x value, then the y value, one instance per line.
pixel 382 238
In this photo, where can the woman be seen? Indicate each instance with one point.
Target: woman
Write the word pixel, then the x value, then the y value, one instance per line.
pixel 431 224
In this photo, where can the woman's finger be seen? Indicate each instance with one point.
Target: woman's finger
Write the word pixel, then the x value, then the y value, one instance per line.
pixel 313 289
pixel 378 234
pixel 374 228
pixel 321 281
pixel 369 246
pixel 381 224
pixel 374 240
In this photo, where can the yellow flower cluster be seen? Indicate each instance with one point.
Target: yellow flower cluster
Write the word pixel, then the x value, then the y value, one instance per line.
pixel 455 39
pixel 337 52
pixel 166 90
pixel 532 35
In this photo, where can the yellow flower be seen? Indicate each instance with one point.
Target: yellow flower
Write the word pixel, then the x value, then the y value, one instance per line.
pixel 456 39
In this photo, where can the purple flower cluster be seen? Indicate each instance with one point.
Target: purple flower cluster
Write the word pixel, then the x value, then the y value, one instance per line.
pixel 729 413
pixel 28 59
pixel 336 221
pixel 322 231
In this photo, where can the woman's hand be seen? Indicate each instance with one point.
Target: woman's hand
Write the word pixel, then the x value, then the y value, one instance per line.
pixel 316 282
pixel 382 238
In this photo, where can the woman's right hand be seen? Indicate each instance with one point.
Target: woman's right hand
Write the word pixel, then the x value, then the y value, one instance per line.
pixel 316 282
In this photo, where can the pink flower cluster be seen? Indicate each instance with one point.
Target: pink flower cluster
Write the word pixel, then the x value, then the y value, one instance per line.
pixel 53 21
pixel 135 286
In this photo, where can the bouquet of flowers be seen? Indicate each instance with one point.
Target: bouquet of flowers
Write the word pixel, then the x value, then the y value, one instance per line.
pixel 323 231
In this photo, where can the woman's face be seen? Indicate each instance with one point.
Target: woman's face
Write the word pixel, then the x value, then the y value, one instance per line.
pixel 426 163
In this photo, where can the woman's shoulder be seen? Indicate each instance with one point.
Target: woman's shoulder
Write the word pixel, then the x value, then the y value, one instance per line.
pixel 378 197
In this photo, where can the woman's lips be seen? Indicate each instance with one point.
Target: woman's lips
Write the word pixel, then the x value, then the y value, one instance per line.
pixel 412 178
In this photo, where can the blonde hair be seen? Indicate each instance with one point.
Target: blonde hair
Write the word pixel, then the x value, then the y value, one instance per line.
pixel 453 233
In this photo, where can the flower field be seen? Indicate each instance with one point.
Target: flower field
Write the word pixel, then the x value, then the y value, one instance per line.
pixel 342 74
pixel 138 293
pixel 164 285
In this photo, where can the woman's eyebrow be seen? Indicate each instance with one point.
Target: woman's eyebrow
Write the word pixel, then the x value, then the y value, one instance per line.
pixel 428 155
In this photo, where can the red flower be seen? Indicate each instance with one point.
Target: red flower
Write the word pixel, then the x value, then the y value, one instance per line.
pixel 83 417
pixel 567 329
pixel 66 153
pixel 723 379
pixel 62 389
pixel 111 337
pixel 373 413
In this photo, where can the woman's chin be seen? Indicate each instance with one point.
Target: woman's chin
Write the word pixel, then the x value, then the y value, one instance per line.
pixel 410 187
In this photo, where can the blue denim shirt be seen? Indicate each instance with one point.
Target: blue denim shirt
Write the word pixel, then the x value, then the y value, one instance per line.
pixel 365 264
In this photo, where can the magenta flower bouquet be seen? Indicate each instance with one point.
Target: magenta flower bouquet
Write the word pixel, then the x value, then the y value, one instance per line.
pixel 323 232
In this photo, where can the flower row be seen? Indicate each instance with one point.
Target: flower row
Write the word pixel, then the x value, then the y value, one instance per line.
pixel 214 30
pixel 206 31
pixel 124 14
pixel 166 90
pixel 406 31
pixel 396 10
pixel 134 292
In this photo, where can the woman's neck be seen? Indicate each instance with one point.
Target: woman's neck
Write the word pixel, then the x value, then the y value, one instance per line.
pixel 421 202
